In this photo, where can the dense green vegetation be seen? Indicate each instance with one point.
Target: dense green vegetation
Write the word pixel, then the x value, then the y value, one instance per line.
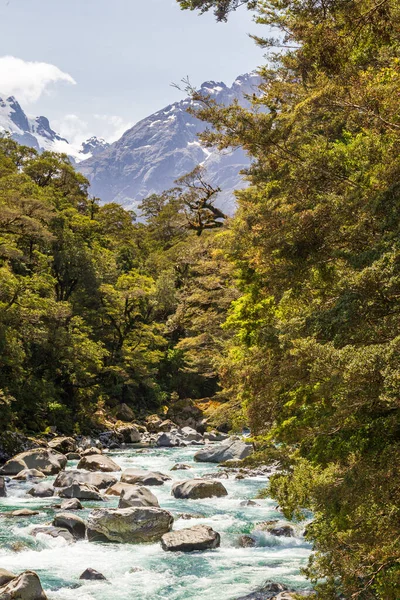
pixel 316 353
pixel 98 310
pixel 95 309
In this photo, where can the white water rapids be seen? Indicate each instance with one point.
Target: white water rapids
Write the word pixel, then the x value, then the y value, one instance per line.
pixel 145 571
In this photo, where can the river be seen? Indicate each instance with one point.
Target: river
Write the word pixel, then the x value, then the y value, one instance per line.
pixel 145 571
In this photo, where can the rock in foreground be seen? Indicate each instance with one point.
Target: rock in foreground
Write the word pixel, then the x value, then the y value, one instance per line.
pixel 129 525
pixel 26 586
pixel 234 450
pixel 194 489
pixel 199 537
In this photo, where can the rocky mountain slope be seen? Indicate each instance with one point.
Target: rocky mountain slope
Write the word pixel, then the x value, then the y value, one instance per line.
pixel 37 133
pixel 151 155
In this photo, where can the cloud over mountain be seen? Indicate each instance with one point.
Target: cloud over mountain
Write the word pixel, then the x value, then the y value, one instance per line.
pixel 27 80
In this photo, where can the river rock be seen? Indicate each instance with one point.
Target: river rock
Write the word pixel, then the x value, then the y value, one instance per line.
pixel 215 436
pixel 42 490
pixel 249 503
pixel 47 461
pixel 136 495
pixel 232 450
pixel 100 480
pixel 82 491
pixel 130 434
pixel 92 575
pixel 54 532
pixel 73 456
pixel 167 425
pixel 63 444
pixel 169 439
pixel 199 537
pixel 246 541
pixel 153 423
pixel 180 467
pixel 72 523
pixel 27 474
pixel 275 527
pixel 129 525
pixel 135 476
pixel 5 576
pixel 91 451
pixel 269 591
pixel 194 489
pixel 191 434
pixel 3 488
pixel 118 488
pixel 96 462
pixel 23 512
pixel 26 586
pixel 71 504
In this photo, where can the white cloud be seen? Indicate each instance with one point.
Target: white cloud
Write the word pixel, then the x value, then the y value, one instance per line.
pixel 73 128
pixel 76 130
pixel 28 80
pixel 113 127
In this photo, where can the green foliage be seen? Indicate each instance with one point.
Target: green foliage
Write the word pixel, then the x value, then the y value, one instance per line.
pixel 221 8
pixel 315 353
pixel 95 310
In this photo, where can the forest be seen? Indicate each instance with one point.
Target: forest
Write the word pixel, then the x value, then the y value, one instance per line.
pixel 287 314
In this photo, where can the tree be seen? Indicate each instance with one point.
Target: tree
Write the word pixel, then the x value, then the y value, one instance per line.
pixel 315 352
pixel 221 8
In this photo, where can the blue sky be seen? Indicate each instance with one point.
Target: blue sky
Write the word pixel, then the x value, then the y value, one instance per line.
pixel 105 64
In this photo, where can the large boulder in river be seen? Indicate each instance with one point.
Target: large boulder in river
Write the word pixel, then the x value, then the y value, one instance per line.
pixel 63 444
pixel 130 434
pixel 74 524
pixel 137 477
pixel 3 489
pixel 129 525
pixel 42 459
pixel 191 434
pixel 135 495
pixel 82 491
pixel 96 462
pixel 42 490
pixel 169 439
pixel 199 537
pixel 100 480
pixel 195 489
pixel 230 450
pixel 26 586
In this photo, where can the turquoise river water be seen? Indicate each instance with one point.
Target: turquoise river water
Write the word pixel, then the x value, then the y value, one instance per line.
pixel 145 571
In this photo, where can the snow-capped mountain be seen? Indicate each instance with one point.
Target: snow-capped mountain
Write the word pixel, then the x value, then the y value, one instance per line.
pixel 37 133
pixel 93 146
pixel 151 155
